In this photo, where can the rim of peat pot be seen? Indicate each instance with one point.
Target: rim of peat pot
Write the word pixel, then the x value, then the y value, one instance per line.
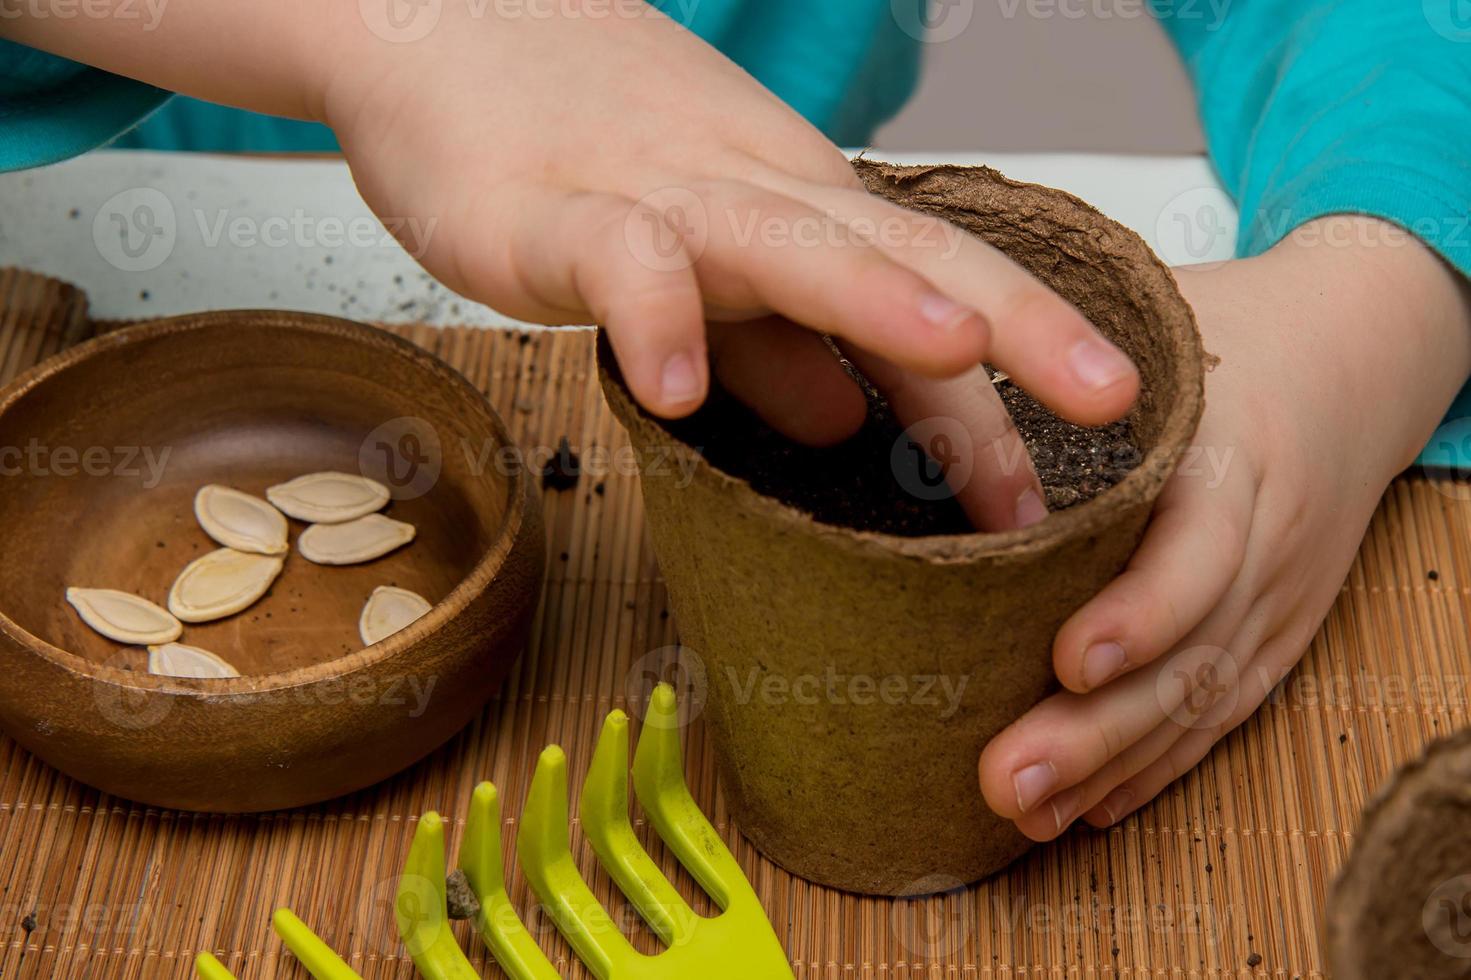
pixel 1144 481
pixel 505 576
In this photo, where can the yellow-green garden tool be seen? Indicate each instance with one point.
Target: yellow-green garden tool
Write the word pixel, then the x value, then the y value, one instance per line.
pixel 314 954
pixel 737 944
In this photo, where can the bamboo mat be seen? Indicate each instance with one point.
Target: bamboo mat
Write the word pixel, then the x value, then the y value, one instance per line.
pixel 1224 875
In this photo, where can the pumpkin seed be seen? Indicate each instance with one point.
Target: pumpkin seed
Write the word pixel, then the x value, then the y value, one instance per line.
pixel 179 660
pixel 355 541
pixel 388 610
pixel 238 520
pixel 221 584
pixel 124 617
pixel 328 498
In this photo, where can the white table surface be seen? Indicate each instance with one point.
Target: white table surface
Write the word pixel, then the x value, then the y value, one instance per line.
pixel 218 232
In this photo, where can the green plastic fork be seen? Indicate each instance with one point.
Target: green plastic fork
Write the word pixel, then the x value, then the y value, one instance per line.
pixel 737 944
pixel 314 954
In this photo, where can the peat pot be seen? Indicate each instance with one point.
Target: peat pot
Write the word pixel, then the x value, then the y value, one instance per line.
pixel 853 678
pixel 1401 907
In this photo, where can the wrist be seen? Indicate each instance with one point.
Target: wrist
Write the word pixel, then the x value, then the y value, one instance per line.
pixel 1398 314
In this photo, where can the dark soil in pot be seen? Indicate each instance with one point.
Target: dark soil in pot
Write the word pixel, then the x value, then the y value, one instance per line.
pixel 1402 905
pixel 858 483
pixel 857 647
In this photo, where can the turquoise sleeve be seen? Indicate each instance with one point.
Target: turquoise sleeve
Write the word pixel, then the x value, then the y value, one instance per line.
pixel 52 109
pixel 846 65
pixel 1317 107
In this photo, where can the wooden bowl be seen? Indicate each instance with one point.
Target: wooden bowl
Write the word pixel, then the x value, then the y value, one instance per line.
pixel 101 452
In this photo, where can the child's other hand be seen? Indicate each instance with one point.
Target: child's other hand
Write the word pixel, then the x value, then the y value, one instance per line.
pixel 1340 350
pixel 619 170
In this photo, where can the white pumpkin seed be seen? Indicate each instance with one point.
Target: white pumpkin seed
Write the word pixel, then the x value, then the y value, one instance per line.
pixel 329 498
pixel 179 660
pixel 388 610
pixel 221 584
pixel 238 520
pixel 354 542
pixel 124 617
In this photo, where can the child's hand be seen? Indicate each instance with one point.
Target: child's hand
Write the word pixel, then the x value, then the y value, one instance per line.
pixel 1340 350
pixel 621 171
pixel 571 165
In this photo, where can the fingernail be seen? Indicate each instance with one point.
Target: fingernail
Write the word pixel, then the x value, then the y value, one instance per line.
pixel 1065 807
pixel 1030 508
pixel 1098 364
pixel 1033 784
pixel 680 383
pixel 943 311
pixel 1102 662
pixel 1116 804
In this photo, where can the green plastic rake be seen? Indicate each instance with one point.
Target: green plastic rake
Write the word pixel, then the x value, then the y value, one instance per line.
pixel 737 944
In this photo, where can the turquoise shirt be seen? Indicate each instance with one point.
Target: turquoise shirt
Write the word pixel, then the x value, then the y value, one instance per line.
pixel 1317 107
pixel 846 65
pixel 1310 107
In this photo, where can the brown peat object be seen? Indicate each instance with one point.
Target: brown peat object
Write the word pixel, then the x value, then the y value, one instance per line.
pixel 1401 907
pixel 856 647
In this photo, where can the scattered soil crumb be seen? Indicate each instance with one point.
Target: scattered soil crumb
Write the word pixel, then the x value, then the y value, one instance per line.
pixel 563 469
pixel 461 897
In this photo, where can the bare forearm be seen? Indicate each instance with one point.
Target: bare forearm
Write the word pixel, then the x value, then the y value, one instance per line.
pixel 1389 307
